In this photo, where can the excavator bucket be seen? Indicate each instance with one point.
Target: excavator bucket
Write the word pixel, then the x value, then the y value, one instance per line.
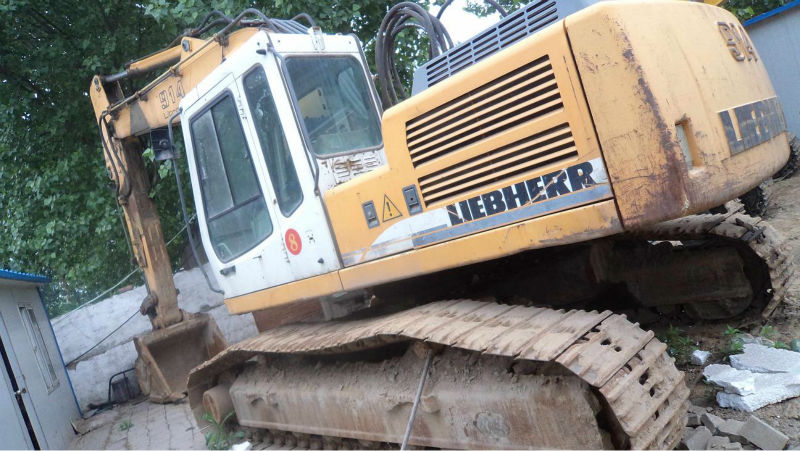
pixel 166 356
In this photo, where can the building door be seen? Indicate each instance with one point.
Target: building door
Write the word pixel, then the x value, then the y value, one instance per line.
pixel 16 429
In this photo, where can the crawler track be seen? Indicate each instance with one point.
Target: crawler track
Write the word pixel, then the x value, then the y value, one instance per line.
pixel 645 394
pixel 755 233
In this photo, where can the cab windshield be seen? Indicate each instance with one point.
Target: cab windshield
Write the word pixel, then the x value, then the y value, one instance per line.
pixel 335 104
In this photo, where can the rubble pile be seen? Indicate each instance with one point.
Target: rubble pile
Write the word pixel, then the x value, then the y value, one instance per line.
pixel 759 376
pixel 707 431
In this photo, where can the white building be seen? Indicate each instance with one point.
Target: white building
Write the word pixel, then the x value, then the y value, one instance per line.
pixel 776 36
pixel 36 399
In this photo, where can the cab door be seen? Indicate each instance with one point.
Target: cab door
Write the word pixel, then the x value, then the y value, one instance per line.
pixel 307 237
pixel 261 221
pixel 237 223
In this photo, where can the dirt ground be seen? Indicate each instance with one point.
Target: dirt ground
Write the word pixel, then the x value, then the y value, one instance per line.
pixel 783 213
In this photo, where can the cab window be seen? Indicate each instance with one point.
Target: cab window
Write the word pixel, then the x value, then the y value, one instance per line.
pixel 236 213
pixel 273 141
pixel 337 110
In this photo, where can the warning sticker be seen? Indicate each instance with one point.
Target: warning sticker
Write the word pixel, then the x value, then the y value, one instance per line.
pixel 390 210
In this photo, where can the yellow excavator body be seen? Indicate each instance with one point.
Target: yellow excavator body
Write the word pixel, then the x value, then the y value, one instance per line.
pixel 572 158
pixel 665 127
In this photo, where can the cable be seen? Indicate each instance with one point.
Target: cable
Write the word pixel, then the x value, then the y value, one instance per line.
pixel 399 18
pixel 422 378
pixel 103 339
pixel 307 17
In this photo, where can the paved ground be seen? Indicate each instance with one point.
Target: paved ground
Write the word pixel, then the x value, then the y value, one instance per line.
pixel 151 426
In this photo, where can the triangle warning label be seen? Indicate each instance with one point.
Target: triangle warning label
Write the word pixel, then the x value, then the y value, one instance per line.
pixel 390 210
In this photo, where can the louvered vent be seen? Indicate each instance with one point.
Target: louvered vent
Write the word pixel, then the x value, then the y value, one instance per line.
pixel 518 97
pixel 510 29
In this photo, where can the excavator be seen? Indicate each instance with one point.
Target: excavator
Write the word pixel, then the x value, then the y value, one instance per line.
pixel 451 269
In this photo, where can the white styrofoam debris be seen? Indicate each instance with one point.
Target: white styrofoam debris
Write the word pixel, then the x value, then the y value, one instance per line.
pixel 700 357
pixel 244 446
pixel 769 389
pixel 761 359
pixel 740 382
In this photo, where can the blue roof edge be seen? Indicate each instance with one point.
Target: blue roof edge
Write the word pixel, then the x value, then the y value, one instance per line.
pixel 770 13
pixel 23 276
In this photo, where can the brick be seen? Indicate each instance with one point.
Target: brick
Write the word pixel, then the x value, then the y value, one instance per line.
pixel 717 442
pixel 723 428
pixel 697 438
pixel 763 435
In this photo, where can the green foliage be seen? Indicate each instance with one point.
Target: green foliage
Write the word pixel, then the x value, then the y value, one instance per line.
pixel 746 9
pixel 124 425
pixel 768 332
pixel 678 344
pixel 483 9
pixel 219 436
pixel 731 331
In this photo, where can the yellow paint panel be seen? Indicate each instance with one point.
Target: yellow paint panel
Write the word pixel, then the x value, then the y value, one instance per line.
pixel 321 285
pixel 570 226
pixel 648 66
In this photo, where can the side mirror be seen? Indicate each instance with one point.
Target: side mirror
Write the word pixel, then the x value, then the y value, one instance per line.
pixel 161 142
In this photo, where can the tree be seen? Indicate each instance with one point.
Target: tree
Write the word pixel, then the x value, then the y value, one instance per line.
pixel 746 9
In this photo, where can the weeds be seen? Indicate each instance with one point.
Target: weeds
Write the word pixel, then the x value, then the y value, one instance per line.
pixel 124 425
pixel 766 337
pixel 219 437
pixel 679 345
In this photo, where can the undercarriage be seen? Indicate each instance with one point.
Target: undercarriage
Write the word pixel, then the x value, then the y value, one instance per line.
pixel 539 361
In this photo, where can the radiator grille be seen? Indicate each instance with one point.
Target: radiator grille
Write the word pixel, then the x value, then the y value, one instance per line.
pixel 502 163
pixel 523 95
pixel 510 29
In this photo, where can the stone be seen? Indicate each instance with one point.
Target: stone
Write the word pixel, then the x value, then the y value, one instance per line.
pixel 740 382
pixel 732 445
pixel 746 338
pixel 699 357
pixel 692 420
pixel 763 435
pixel 718 442
pixel 761 359
pixel 723 428
pixel 712 422
pixel 795 344
pixel 244 446
pixel 697 438
pixel 697 410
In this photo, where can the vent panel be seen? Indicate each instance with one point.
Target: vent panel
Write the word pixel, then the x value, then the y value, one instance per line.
pixel 503 163
pixel 527 93
pixel 522 95
pixel 511 29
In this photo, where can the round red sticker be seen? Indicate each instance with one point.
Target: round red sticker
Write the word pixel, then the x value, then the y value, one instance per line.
pixel 293 242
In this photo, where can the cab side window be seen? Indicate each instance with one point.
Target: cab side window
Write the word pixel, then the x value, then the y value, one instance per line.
pixel 236 213
pixel 273 141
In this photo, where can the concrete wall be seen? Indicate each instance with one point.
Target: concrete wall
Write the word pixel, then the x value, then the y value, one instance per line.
pixel 79 330
pixel 50 409
pixel 777 41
